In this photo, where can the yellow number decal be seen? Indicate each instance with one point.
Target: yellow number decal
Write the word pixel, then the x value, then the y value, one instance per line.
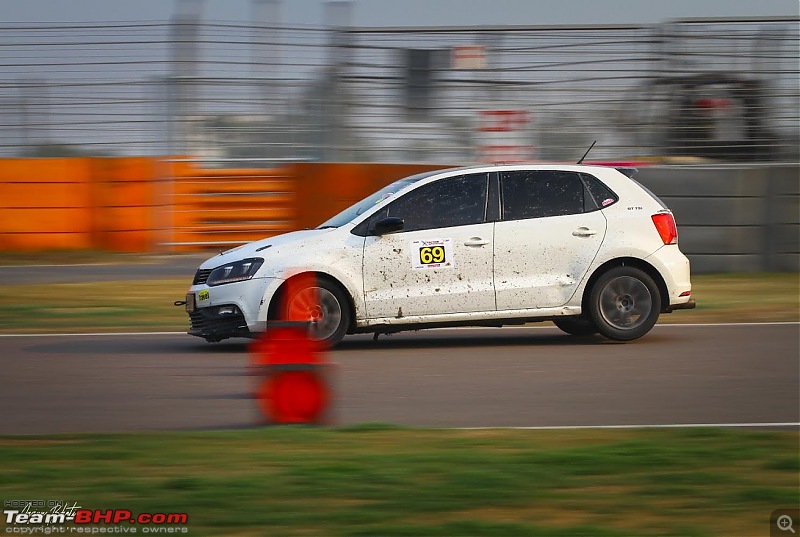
pixel 425 255
pixel 431 254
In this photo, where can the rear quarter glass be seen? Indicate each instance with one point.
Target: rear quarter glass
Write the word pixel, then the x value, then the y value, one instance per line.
pixel 602 195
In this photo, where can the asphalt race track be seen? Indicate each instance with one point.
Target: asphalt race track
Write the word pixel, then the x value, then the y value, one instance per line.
pixel 178 266
pixel 715 374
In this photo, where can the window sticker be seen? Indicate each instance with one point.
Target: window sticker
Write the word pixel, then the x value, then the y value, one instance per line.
pixel 432 254
pixel 607 201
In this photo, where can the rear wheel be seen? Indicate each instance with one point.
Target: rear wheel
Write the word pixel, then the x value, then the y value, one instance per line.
pixel 576 326
pixel 624 303
pixel 324 306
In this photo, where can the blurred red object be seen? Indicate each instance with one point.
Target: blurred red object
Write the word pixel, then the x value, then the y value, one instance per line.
pixel 294 376
pixel 710 103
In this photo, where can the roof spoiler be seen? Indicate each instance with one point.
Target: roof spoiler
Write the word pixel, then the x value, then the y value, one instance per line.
pixel 628 172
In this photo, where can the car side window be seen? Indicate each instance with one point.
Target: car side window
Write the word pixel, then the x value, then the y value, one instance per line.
pixel 540 193
pixel 454 201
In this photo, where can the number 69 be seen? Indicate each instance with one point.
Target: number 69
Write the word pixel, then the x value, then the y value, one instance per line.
pixel 431 254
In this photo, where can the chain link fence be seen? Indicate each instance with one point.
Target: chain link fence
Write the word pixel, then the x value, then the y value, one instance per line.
pixel 233 94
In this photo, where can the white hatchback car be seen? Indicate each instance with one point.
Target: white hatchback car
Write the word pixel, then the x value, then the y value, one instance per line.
pixel 586 247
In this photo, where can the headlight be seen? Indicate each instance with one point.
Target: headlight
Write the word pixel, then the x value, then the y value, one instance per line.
pixel 238 271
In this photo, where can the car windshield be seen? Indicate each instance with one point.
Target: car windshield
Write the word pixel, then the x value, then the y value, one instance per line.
pixel 386 192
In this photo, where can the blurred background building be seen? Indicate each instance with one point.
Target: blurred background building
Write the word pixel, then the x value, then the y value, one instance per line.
pixel 263 92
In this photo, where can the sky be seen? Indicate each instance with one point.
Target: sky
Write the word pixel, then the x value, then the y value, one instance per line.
pixel 57 65
pixel 403 12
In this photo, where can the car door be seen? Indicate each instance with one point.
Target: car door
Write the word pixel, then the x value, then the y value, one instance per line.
pixel 548 236
pixel 441 262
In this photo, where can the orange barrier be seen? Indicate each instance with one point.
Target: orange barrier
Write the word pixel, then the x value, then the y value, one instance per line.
pixel 224 208
pixel 43 204
pixel 324 190
pixel 77 203
pixel 124 204
pixel 142 204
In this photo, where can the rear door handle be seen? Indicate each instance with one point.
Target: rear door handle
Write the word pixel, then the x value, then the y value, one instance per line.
pixel 584 232
pixel 475 242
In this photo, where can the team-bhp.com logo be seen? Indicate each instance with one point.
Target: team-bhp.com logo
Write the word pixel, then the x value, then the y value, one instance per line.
pixel 46 517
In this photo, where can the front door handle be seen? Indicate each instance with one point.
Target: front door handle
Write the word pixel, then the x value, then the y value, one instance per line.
pixel 584 232
pixel 475 242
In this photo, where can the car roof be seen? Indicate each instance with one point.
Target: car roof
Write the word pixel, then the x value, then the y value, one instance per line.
pixel 424 178
pixel 479 168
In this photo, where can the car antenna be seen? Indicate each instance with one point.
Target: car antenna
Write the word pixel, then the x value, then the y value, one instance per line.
pixel 587 152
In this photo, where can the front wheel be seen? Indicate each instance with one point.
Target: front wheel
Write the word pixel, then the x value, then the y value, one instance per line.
pixel 624 303
pixel 322 305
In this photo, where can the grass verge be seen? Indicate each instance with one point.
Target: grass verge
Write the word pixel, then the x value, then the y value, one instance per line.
pixel 401 482
pixel 147 305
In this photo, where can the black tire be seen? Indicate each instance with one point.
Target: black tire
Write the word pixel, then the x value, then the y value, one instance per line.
pixel 624 303
pixel 328 311
pixel 576 326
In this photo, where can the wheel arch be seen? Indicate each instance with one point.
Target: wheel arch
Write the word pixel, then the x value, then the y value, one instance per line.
pixel 277 297
pixel 641 264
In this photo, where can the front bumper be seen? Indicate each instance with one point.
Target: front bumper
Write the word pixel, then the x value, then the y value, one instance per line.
pixel 250 298
pixel 209 324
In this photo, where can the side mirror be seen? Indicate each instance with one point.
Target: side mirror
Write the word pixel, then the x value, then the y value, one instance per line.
pixel 387 225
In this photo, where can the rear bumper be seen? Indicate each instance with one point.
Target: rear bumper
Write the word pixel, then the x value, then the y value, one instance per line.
pixel 688 305
pixel 674 268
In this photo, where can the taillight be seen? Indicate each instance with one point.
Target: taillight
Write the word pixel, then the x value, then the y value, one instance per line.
pixel 665 224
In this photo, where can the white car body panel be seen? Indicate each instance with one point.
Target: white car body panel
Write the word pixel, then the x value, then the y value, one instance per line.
pixel 394 288
pixel 674 268
pixel 474 317
pixel 539 262
pixel 335 252
pixel 239 294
